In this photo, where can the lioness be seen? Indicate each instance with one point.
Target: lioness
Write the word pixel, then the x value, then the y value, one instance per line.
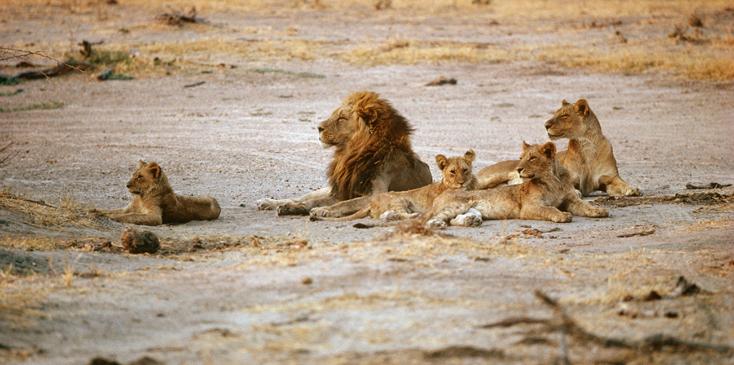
pixel 545 192
pixel 589 158
pixel 155 203
pixel 373 155
pixel 396 205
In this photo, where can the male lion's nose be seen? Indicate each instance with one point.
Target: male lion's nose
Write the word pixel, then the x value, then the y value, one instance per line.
pixel 548 123
pixel 320 128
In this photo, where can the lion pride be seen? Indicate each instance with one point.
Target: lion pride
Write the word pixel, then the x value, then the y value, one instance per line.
pixel 372 154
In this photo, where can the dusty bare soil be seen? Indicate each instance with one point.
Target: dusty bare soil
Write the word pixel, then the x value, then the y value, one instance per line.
pixel 254 288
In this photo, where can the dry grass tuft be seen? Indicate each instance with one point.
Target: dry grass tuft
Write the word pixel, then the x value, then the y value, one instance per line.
pixel 68 213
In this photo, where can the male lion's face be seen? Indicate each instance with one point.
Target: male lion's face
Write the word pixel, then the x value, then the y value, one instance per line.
pixel 146 176
pixel 569 120
pixel 536 160
pixel 339 127
pixel 457 171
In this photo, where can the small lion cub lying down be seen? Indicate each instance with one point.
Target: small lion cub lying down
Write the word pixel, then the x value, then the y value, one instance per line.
pixel 155 203
pixel 396 205
pixel 547 193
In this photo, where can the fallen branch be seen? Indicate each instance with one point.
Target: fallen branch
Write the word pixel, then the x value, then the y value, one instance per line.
pixel 563 323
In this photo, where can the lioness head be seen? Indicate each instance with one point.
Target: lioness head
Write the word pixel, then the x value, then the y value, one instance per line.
pixel 569 121
pixel 360 113
pixel 536 160
pixel 457 171
pixel 146 177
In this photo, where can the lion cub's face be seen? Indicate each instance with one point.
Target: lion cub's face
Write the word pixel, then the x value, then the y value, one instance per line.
pixel 146 176
pixel 339 127
pixel 536 160
pixel 457 171
pixel 569 120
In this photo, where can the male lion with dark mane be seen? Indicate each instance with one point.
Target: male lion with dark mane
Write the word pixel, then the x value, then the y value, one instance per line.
pixel 589 158
pixel 372 155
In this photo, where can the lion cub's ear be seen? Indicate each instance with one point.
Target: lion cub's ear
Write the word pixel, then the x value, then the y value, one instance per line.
pixel 154 169
pixel 525 146
pixel 442 161
pixel 469 156
pixel 582 107
pixel 141 164
pixel 564 102
pixel 549 150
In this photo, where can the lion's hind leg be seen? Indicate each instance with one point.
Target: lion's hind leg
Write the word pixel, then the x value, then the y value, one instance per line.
pixel 442 218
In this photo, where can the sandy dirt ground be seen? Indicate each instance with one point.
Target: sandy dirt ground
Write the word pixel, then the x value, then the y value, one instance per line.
pixel 251 287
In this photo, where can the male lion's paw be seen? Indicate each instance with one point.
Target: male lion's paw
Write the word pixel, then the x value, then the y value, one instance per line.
pixel 436 224
pixel 472 218
pixel 562 217
pixel 318 213
pixel 266 204
pixel 292 209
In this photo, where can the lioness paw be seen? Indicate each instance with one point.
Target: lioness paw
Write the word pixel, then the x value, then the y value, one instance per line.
pixel 632 192
pixel 390 215
pixel 598 212
pixel 562 217
pixel 472 218
pixel 436 223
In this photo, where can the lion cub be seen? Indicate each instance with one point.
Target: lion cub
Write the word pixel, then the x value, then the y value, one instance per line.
pixel 154 202
pixel 457 174
pixel 546 194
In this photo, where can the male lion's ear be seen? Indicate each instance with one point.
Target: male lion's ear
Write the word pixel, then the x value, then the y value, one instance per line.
pixel 367 106
pixel 549 150
pixel 442 161
pixel 582 107
pixel 469 156
pixel 141 164
pixel 154 169
pixel 564 102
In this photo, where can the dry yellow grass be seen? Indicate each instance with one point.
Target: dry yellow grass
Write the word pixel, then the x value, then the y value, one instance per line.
pixel 412 52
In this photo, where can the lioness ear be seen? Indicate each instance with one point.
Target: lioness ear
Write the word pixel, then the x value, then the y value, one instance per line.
pixel 549 150
pixel 564 102
pixel 141 163
pixel 442 161
pixel 582 107
pixel 469 156
pixel 154 169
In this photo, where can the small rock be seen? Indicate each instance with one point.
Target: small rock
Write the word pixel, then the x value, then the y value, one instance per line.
pixel 695 21
pixel 134 241
pixel 307 281
pixel 442 80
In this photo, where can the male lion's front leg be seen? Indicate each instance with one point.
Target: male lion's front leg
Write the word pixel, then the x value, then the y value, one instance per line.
pixel 272 204
pixel 305 206
pixel 545 213
pixel 615 186
pixel 582 208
